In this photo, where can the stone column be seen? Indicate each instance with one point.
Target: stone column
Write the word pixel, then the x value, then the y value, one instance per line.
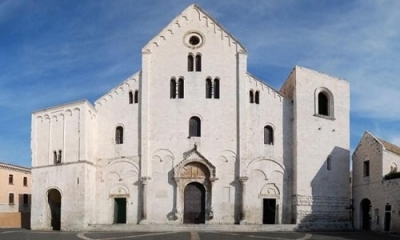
pixel 144 181
pixel 210 210
pixel 178 205
pixel 243 181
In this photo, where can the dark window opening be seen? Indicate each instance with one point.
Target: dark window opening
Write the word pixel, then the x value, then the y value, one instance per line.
pixel 251 95
pixel 366 168
pixel 328 163
pixel 257 98
pixel 216 88
pixel 130 97
pixel 25 181
pixel 268 135
pixel 194 127
pixel 181 88
pixel 323 108
pixel 136 96
pixel 119 135
pixel 194 40
pixel 172 88
pixel 198 63
pixel 190 63
pixel 208 88
pixel 59 156
pixel 10 179
pixel 55 157
pixel 11 198
pixel 25 199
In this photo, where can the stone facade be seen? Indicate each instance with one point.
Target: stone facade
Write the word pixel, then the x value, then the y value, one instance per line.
pixel 194 124
pixel 15 196
pixel 375 200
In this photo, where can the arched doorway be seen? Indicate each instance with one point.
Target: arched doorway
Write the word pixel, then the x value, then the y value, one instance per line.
pixel 54 200
pixel 365 207
pixel 194 203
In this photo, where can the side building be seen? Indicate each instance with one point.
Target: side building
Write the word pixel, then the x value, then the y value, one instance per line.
pixel 376 185
pixel 194 138
pixel 15 196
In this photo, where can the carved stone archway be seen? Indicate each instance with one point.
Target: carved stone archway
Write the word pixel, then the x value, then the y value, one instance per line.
pixel 194 168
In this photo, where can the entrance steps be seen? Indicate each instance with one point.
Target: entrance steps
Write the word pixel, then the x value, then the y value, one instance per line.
pixel 192 227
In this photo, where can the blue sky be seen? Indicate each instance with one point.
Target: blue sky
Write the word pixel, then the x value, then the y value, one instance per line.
pixel 58 51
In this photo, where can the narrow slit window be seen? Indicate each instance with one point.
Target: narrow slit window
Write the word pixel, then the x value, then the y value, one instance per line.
pixel 190 63
pixel 328 163
pixel 251 95
pixel 216 88
pixel 130 97
pixel 323 104
pixel 136 96
pixel 10 179
pixel 181 88
pixel 59 156
pixel 172 88
pixel 194 127
pixel 11 198
pixel 208 88
pixel 198 63
pixel 257 97
pixel 268 135
pixel 366 168
pixel 119 135
pixel 55 157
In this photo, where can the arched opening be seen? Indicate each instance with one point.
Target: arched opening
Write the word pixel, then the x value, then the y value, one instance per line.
pixel 365 207
pixel 130 97
pixel 194 203
pixel 136 96
pixel 172 88
pixel 268 135
pixel 216 88
pixel 208 88
pixel 119 135
pixel 194 127
pixel 251 95
pixel 54 200
pixel 257 97
pixel 323 104
pixel 198 63
pixel 181 88
pixel 190 63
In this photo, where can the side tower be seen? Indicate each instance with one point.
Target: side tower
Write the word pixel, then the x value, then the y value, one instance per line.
pixel 321 156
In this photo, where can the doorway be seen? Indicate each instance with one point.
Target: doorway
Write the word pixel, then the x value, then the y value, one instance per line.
pixel 119 210
pixel 54 200
pixel 388 216
pixel 269 209
pixel 194 203
pixel 366 214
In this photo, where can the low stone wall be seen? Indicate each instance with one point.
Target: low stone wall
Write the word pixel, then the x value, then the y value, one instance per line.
pixel 15 220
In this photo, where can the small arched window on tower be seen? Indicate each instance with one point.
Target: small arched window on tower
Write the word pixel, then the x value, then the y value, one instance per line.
pixel 194 127
pixel 119 135
pixel 323 104
pixel 190 63
pixel 268 135
pixel 208 88
pixel 198 63
pixel 130 97
pixel 55 157
pixel 136 96
pixel 257 97
pixel 251 95
pixel 216 88
pixel 181 88
pixel 59 156
pixel 172 88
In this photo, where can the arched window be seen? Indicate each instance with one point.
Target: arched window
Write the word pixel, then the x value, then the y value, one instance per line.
pixel 190 63
pixel 181 88
pixel 55 157
pixel 172 88
pixel 268 135
pixel 194 127
pixel 130 97
pixel 208 88
pixel 323 104
pixel 59 156
pixel 119 135
pixel 198 63
pixel 251 95
pixel 216 88
pixel 257 98
pixel 136 96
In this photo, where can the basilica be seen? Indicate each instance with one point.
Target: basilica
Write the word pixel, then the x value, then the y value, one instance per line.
pixel 194 138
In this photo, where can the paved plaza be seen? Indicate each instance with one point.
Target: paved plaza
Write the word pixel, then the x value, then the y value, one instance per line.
pixel 18 234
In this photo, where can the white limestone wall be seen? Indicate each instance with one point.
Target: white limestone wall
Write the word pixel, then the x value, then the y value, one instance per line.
pixel 77 199
pixel 390 161
pixel 62 128
pixel 321 194
pixel 268 167
pixel 167 125
pixel 115 110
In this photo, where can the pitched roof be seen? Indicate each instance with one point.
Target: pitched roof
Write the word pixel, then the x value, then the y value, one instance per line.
pixel 390 146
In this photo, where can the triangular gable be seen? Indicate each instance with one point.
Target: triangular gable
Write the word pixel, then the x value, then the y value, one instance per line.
pixel 182 18
pixel 364 137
